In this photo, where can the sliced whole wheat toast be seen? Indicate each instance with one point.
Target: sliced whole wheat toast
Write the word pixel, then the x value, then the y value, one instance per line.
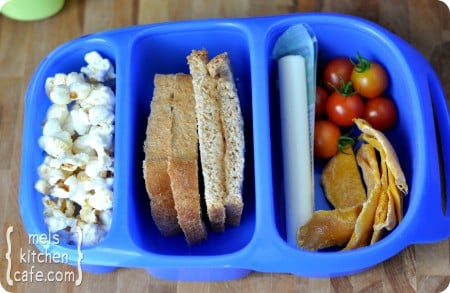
pixel 221 137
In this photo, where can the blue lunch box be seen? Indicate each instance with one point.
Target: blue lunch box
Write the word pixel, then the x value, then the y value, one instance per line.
pixel 421 138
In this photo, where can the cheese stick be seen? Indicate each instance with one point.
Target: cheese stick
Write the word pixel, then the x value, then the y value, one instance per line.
pixel 299 196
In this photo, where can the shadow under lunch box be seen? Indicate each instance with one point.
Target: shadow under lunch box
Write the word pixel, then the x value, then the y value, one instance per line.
pixel 420 137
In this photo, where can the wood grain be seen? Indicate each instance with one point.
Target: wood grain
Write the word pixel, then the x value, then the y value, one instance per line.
pixel 424 23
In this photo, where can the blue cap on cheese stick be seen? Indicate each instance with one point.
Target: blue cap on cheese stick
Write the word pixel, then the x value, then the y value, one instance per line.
pixel 296 54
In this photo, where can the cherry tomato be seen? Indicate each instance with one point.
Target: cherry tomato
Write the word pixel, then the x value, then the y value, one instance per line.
pixel 336 71
pixel 380 112
pixel 321 102
pixel 369 78
pixel 326 139
pixel 341 108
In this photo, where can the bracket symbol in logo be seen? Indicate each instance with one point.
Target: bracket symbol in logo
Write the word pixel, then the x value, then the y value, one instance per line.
pixel 8 256
pixel 80 257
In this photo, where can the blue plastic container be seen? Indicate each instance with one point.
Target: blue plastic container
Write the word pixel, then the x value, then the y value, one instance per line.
pixel 421 138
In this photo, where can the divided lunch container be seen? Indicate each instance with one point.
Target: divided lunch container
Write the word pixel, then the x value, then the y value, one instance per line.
pixel 421 138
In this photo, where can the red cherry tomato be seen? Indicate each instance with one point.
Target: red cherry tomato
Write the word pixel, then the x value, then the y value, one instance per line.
pixel 380 112
pixel 369 78
pixel 321 102
pixel 341 108
pixel 336 71
pixel 326 139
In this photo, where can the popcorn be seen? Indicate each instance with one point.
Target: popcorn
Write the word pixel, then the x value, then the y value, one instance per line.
pixel 72 163
pixel 52 127
pixel 103 132
pixel 100 115
pixel 83 145
pixel 77 175
pixel 58 112
pixel 83 192
pixel 56 218
pixel 69 126
pixel 87 214
pixel 42 186
pixel 74 77
pixel 66 188
pixel 54 146
pixel 102 198
pixel 80 120
pixel 50 174
pixel 98 69
pixel 80 90
pixel 100 95
pixel 51 82
pixel 58 221
pixel 60 94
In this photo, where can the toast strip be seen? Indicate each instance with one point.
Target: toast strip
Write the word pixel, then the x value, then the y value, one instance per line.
pixel 183 161
pixel 211 140
pixel 219 68
pixel 157 148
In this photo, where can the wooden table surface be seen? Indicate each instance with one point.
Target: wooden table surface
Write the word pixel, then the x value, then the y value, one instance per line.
pixel 424 23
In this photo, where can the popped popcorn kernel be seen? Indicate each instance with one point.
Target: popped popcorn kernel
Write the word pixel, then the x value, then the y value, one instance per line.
pixel 80 90
pixel 58 112
pixel 98 69
pixel 60 95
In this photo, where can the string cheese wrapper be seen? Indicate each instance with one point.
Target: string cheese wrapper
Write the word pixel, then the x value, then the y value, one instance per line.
pixel 296 54
pixel 299 201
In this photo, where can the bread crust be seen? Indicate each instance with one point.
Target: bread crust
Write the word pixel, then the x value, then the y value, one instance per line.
pixel 162 204
pixel 184 183
pixel 157 148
